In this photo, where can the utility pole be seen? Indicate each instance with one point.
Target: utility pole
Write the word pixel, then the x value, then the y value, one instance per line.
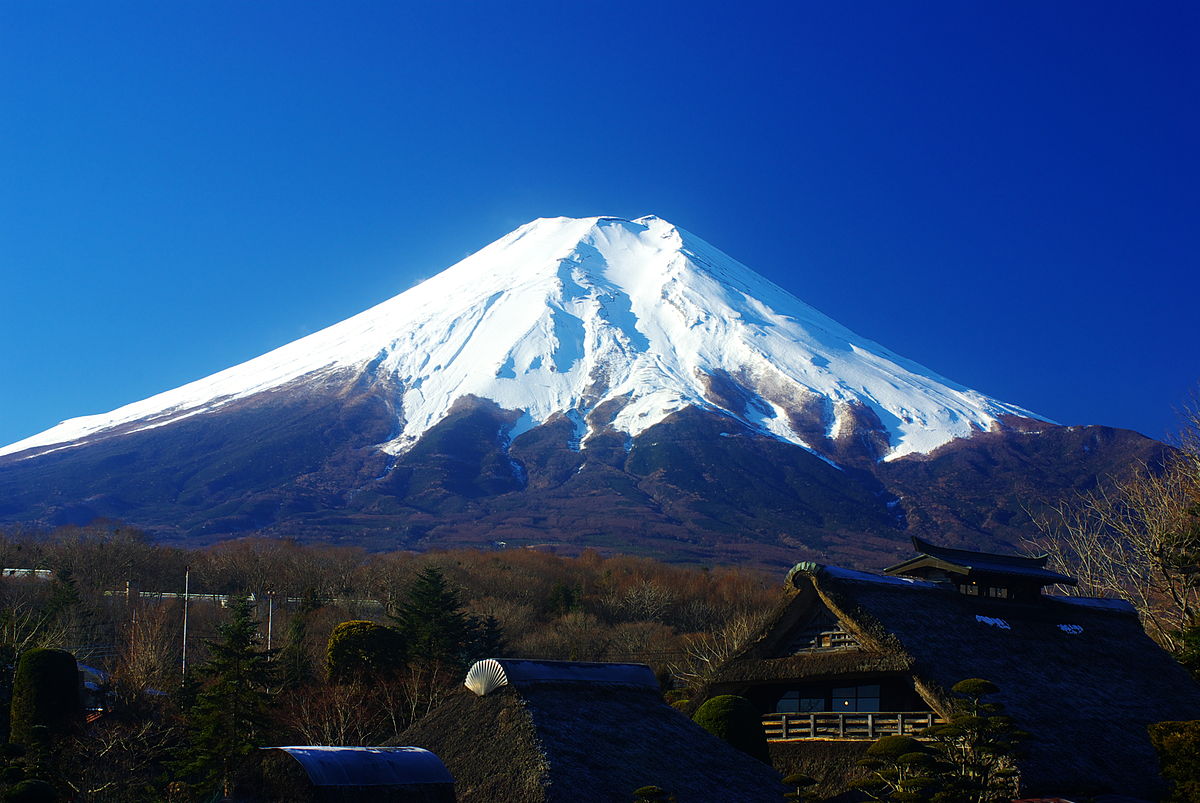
pixel 187 576
pixel 270 611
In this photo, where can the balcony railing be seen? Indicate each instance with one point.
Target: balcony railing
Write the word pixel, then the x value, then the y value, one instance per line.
pixel 840 725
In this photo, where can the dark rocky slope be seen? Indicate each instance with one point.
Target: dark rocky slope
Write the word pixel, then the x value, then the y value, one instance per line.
pixel 697 487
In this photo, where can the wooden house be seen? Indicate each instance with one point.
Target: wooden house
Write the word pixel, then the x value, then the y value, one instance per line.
pixel 850 656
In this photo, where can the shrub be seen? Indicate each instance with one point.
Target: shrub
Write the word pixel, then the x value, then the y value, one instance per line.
pixel 901 768
pixel 361 649
pixel 31 791
pixel 45 692
pixel 1178 746
pixel 735 720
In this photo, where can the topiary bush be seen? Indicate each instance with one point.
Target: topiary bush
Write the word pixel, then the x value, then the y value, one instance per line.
pixel 735 720
pixel 901 768
pixel 31 791
pixel 359 650
pixel 45 693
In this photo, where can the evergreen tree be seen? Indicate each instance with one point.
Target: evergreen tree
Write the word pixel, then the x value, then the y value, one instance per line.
pixel 902 769
pixel 229 718
pixel 64 593
pixel 432 620
pixel 979 744
pixel 800 787
pixel 1189 648
pixel 295 660
pixel 489 639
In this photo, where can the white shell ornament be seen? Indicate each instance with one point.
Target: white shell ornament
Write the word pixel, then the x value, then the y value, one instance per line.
pixel 485 676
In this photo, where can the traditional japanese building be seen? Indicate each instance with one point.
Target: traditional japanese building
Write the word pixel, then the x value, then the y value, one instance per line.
pixel 851 656
pixel 523 731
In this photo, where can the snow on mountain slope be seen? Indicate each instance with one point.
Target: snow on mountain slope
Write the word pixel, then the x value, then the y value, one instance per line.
pixel 563 314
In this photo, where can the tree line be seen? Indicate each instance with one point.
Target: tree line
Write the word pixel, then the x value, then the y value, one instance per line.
pixel 360 645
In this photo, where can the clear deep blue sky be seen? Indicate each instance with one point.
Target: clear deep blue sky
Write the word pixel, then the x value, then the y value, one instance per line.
pixel 1004 192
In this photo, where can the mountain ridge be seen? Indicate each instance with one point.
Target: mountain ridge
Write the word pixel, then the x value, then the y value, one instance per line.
pixel 562 315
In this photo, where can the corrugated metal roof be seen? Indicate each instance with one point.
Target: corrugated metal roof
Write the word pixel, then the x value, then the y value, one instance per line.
pixel 368 766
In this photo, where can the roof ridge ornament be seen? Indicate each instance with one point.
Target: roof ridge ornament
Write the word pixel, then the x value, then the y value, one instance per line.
pixel 485 676
pixel 805 567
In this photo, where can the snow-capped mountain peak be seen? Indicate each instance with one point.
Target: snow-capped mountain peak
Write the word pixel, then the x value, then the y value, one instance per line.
pixel 564 314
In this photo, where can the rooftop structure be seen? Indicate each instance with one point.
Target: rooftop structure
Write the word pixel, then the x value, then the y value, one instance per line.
pixel 983 574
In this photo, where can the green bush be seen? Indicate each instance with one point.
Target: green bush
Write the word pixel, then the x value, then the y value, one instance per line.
pixel 359 650
pixel 31 791
pixel 1178 746
pixel 902 769
pixel 735 720
pixel 45 692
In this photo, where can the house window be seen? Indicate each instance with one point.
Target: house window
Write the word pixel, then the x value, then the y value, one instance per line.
pixel 970 589
pixel 795 702
pixel 856 698
pixel 998 593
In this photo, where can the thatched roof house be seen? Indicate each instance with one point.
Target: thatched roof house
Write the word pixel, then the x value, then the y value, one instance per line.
pixel 544 731
pixel 849 656
pixel 326 774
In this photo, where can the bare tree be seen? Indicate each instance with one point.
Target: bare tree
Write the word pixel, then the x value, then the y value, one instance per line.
pixel 341 714
pixel 1139 539
pixel 705 653
pixel 119 759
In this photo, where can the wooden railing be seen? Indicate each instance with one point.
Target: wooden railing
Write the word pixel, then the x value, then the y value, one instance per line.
pixel 839 725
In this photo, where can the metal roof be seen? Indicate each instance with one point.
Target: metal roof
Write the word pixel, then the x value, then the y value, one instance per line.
pixel 368 766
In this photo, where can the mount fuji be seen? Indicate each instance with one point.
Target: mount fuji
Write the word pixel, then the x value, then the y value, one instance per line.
pixel 579 382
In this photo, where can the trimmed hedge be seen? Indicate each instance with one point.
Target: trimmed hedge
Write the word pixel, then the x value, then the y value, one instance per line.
pixel 737 721
pixel 361 650
pixel 45 692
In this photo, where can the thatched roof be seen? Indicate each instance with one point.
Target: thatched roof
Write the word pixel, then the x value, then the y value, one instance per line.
pixel 568 741
pixel 492 673
pixel 1080 675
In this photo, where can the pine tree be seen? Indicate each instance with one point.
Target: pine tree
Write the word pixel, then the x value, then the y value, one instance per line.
pixel 432 620
pixel 979 744
pixel 489 639
pixel 900 768
pixel 230 715
pixel 295 660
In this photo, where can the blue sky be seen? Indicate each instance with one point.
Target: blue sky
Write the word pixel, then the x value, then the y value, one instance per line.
pixel 1004 192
